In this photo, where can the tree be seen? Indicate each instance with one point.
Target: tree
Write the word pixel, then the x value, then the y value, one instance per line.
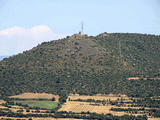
pixel 53 99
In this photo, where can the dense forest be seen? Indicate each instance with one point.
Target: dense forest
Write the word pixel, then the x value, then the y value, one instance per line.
pixel 86 65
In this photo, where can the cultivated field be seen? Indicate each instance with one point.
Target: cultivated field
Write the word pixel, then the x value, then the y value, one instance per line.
pixel 36 118
pixel 32 100
pixel 153 118
pixel 36 96
pixel 2 101
pixel 117 105
pixel 99 97
pixel 78 107
pixel 55 119
pixel 36 103
pixel 74 104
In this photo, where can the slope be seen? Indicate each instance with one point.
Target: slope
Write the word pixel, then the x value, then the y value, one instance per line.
pixel 86 65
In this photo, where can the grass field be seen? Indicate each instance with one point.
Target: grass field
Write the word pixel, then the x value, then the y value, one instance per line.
pixel 37 103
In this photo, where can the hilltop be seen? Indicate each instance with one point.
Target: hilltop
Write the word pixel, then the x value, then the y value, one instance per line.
pixel 2 57
pixel 86 65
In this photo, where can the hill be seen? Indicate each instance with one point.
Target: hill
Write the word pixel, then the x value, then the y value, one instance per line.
pixel 2 57
pixel 86 65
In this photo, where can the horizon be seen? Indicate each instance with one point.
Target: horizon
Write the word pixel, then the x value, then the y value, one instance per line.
pixel 25 24
pixel 6 56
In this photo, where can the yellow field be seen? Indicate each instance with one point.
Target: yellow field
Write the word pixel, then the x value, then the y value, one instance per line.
pixel 36 96
pixel 2 107
pixel 99 97
pixel 71 105
pixel 15 108
pixel 153 118
pixel 33 118
pixel 81 106
pixel 2 101
pixel 55 119
pixel 78 107
pixel 138 78
pixel 133 78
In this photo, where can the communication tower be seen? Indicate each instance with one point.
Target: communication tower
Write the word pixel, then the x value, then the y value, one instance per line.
pixel 82 27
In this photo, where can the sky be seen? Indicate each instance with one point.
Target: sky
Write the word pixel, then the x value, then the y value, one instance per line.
pixel 26 23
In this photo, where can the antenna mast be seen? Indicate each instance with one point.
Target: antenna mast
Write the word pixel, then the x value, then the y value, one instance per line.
pixel 82 27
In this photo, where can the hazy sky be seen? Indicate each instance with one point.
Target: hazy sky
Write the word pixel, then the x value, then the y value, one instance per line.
pixel 26 23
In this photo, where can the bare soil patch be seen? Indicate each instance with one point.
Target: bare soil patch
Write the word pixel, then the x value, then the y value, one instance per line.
pixel 133 78
pixel 2 101
pixel 36 96
pixel 153 118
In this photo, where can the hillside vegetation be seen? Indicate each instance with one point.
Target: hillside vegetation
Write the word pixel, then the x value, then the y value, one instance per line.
pixel 86 65
pixel 2 57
